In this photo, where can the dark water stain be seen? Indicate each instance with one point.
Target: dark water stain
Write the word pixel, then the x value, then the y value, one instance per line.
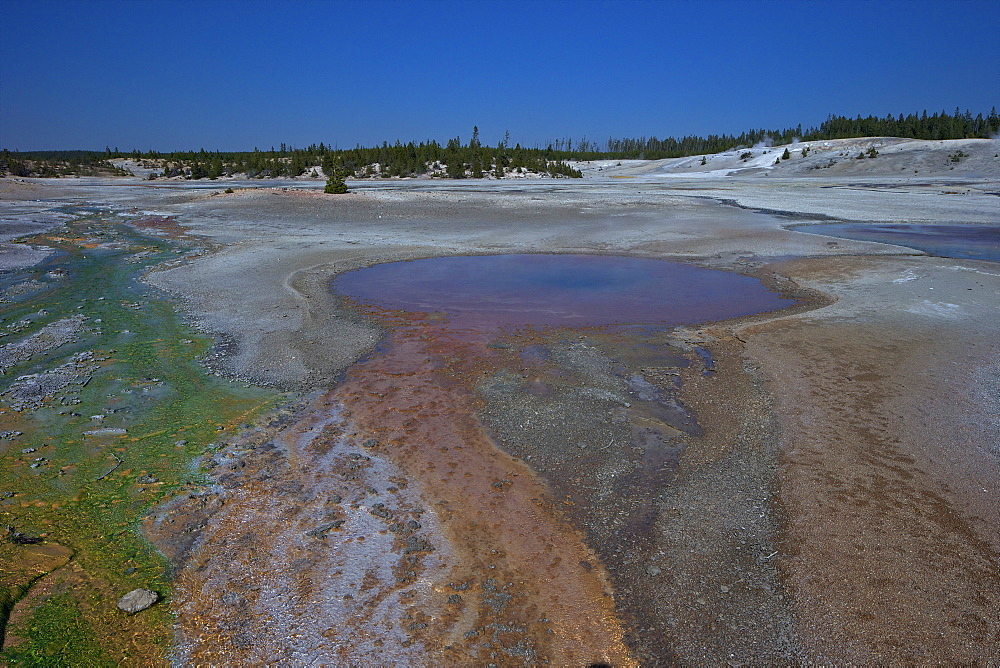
pixel 708 363
pixel 509 291
pixel 970 242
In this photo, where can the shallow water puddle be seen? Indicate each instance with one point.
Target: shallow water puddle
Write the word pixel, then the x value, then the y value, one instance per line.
pixel 971 242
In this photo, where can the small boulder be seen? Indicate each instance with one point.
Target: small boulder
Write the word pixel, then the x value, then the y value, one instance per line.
pixel 137 600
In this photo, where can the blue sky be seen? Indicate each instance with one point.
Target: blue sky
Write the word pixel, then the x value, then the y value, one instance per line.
pixel 174 75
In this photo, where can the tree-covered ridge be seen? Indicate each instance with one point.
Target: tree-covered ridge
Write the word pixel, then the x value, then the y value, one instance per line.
pixel 474 160
pixel 912 126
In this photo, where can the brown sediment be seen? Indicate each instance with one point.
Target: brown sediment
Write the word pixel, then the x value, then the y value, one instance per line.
pixel 394 531
pixel 167 227
pixel 504 526
pixel 891 549
pixel 25 563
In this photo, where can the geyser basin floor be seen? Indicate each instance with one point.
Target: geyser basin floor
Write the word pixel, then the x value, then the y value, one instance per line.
pixel 463 521
pixel 867 585
pixel 480 349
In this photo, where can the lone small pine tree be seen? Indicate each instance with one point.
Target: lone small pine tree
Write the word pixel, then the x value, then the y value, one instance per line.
pixel 335 185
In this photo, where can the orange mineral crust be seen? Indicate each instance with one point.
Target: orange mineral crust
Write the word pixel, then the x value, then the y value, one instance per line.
pixel 394 531
pixel 499 520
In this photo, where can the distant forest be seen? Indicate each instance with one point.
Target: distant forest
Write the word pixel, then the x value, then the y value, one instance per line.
pixel 456 160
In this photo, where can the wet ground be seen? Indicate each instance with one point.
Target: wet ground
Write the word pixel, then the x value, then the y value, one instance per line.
pixel 103 409
pixel 488 485
pixel 958 241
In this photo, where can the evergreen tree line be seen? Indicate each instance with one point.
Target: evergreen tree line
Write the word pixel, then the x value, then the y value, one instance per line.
pixel 476 160
pixel 937 126
pixel 913 126
pixel 453 160
pixel 48 164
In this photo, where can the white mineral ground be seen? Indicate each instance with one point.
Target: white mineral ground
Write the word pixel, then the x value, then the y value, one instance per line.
pixel 841 507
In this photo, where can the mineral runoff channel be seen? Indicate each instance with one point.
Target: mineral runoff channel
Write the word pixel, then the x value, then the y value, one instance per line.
pixel 308 475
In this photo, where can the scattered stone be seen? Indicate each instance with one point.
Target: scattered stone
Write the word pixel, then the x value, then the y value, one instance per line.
pixel 106 431
pixel 48 337
pixel 19 538
pixel 28 392
pixel 379 510
pixel 137 600
pixel 321 531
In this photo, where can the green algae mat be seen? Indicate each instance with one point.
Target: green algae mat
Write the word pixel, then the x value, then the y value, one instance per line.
pixel 104 412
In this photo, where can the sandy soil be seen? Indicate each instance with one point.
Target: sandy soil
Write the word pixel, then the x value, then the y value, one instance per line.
pixel 836 503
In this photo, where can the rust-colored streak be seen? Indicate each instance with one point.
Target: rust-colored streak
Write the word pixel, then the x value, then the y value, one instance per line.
pixel 501 522
pixel 164 226
pixel 296 557
pixel 380 525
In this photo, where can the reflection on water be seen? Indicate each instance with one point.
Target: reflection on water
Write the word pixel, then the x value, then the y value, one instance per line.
pixel 493 291
pixel 972 242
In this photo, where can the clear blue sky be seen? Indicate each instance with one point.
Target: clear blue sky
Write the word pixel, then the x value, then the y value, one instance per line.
pixel 172 75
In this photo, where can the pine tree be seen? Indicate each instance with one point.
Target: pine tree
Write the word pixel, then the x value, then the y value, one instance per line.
pixel 335 184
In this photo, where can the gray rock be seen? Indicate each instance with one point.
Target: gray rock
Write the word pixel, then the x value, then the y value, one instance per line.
pixel 137 600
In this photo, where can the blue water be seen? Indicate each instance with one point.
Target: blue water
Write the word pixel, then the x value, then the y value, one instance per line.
pixel 971 242
pixel 559 290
